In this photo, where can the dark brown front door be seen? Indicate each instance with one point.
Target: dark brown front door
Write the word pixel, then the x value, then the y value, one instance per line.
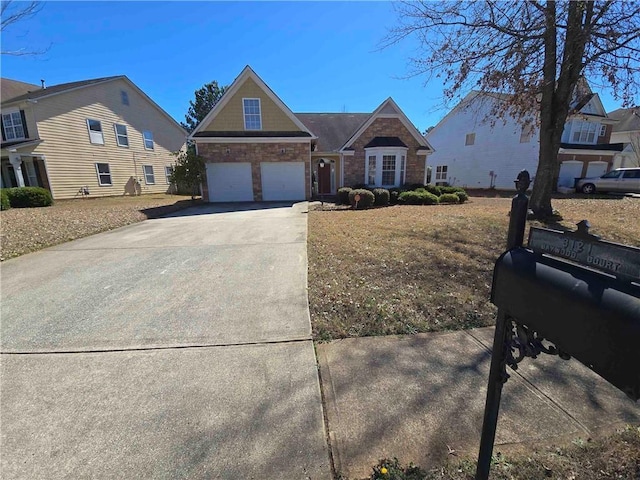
pixel 324 179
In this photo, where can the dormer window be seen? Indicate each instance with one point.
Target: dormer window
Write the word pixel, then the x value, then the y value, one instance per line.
pixel 13 126
pixel 583 132
pixel 252 116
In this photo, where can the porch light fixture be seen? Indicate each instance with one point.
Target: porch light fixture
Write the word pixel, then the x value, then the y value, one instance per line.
pixel 321 163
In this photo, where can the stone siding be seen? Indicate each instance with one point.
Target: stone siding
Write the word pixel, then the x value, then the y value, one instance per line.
pixel 384 127
pixel 256 153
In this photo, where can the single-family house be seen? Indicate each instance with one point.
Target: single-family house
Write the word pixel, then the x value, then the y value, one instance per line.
pixel 627 132
pixel 473 149
pixel 257 149
pixel 96 137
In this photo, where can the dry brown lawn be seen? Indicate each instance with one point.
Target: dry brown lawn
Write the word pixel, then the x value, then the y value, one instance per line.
pixel 408 269
pixel 24 230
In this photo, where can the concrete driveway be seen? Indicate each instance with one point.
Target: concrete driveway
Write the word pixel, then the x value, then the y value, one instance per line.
pixel 173 348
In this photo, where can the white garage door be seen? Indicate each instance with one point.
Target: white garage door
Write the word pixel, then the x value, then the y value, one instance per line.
pixel 569 171
pixel 229 182
pixel 596 169
pixel 282 181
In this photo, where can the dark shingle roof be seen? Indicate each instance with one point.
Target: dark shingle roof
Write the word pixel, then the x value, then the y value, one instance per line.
pixel 629 119
pixel 385 142
pixel 610 147
pixel 332 129
pixel 13 88
pixel 41 92
pixel 250 133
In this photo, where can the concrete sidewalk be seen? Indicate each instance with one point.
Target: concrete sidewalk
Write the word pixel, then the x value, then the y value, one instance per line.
pixel 419 397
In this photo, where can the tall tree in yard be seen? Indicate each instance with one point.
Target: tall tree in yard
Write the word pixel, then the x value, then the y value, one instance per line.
pixel 205 99
pixel 535 50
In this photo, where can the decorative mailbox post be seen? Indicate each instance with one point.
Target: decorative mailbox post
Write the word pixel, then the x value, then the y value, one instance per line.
pixel 568 294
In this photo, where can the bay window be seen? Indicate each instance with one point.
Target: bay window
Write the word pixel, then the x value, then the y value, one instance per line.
pixel 385 166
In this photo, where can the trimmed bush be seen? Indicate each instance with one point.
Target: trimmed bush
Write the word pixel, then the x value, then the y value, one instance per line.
pixel 417 198
pixel 393 195
pixel 29 197
pixel 381 196
pixel 4 200
pixel 434 189
pixel 412 186
pixel 343 195
pixel 449 198
pixel 366 198
pixel 451 189
pixel 462 196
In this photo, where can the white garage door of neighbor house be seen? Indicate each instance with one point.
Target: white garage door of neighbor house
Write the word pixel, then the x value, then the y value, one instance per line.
pixel 282 181
pixel 596 169
pixel 569 171
pixel 229 182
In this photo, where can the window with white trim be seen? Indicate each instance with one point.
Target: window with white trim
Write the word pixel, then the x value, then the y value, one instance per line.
pixel 583 132
pixel 147 137
pixel 371 177
pixel 121 134
pixel 104 174
pixel 603 130
pixel 441 173
pixel 385 166
pixel 526 134
pixel 12 125
pixel 252 116
pixel 149 177
pixel 95 131
pixel 470 139
pixel 168 171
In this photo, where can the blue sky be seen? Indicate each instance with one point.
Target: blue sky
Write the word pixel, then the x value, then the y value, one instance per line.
pixel 317 56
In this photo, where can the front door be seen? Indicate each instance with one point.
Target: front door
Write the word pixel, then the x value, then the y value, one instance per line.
pixel 324 179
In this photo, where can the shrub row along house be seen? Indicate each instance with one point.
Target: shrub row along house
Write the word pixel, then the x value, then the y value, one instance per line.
pixel 100 137
pixel 257 149
pixel 473 149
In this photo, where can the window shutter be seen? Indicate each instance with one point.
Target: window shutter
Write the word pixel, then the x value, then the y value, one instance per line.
pixel 24 124
pixel 4 139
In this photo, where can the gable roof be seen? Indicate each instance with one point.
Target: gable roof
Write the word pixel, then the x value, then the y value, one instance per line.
pixel 248 73
pixel 14 88
pixel 629 119
pixel 41 93
pixel 388 109
pixel 332 129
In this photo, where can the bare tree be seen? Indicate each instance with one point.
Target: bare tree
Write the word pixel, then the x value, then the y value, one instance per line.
pixel 13 12
pixel 535 50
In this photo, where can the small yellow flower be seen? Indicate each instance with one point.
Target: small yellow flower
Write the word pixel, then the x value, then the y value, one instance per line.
pixel 383 470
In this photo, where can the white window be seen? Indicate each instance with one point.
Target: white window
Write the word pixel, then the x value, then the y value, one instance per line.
pixel 124 96
pixel 583 132
pixel 148 140
pixel 470 139
pixel 252 117
pixel 603 130
pixel 441 173
pixel 385 166
pixel 121 135
pixel 12 125
pixel 168 171
pixel 526 134
pixel 371 177
pixel 104 174
pixel 95 131
pixel 149 178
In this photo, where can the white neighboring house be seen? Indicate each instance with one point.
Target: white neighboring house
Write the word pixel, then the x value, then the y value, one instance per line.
pixel 627 132
pixel 472 151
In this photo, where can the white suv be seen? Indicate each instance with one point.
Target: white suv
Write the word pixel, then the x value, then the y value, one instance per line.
pixel 623 180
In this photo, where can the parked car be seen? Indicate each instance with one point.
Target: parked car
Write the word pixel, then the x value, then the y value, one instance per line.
pixel 624 180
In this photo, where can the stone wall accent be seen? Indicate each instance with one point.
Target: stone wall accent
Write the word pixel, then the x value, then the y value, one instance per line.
pixel 255 153
pixel 384 127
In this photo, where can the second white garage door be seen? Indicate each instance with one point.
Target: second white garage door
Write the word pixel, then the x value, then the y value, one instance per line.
pixel 229 182
pixel 283 181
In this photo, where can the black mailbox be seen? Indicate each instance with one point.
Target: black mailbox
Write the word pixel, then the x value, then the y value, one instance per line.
pixel 591 316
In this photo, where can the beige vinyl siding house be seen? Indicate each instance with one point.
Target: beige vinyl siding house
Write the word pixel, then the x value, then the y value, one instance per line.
pixel 104 137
